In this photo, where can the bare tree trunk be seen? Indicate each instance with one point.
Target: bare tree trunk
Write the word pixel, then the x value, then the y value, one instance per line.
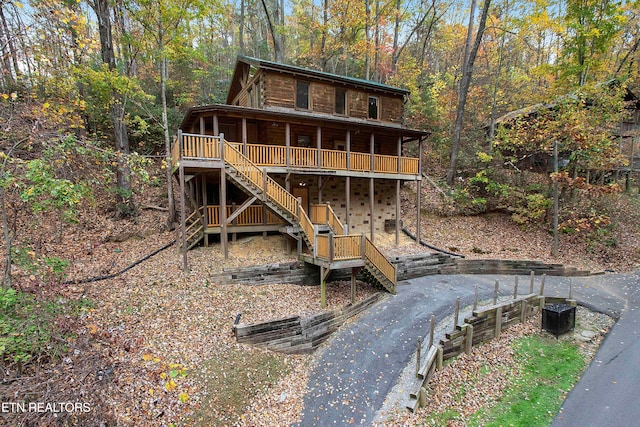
pixel 396 33
pixel 323 42
pixel 125 205
pixel 367 7
pixel 7 50
pixel 171 216
pixel 241 27
pixel 276 37
pixel 467 72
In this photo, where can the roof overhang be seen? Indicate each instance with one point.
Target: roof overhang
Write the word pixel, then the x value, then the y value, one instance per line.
pixel 298 117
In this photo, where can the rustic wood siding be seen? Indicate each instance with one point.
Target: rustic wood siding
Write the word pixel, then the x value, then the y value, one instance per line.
pixel 391 109
pixel 357 102
pixel 322 97
pixel 279 90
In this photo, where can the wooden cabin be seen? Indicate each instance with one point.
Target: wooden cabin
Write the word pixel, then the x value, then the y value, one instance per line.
pixel 311 154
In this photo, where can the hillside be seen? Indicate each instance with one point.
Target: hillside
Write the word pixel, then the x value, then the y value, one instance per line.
pixel 162 338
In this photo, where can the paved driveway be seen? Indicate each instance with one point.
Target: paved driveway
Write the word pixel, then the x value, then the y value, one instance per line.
pixel 357 368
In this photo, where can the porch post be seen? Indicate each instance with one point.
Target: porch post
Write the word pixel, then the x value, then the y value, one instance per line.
pixel 183 212
pixel 372 151
pixel 347 191
pixel 419 192
pixel 319 189
pixel 244 136
pixel 319 146
pixel 348 148
pixel 287 143
pixel 224 238
pixel 398 191
pixel 202 128
pixel 216 128
pixel 372 203
pixel 205 214
pixel 347 182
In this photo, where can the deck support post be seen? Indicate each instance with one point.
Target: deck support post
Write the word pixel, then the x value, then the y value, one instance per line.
pixel 319 145
pixel 372 152
pixel 397 228
pixel 244 136
pixel 372 211
pixel 419 193
pixel 347 191
pixel 354 273
pixel 224 238
pixel 324 273
pixel 205 214
pixel 319 189
pixel 183 210
pixel 287 143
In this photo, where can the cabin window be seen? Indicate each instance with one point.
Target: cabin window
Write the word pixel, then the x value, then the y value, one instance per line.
pixel 341 101
pixel 374 106
pixel 302 95
pixel 304 141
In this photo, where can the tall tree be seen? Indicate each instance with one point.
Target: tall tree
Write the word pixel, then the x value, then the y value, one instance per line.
pixel 465 82
pixel 125 205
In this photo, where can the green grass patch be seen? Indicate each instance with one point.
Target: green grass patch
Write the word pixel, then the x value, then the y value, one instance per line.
pixel 233 380
pixel 548 370
pixel 28 326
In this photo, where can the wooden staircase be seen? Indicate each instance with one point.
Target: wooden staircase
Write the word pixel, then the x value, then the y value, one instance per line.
pixel 256 183
pixel 194 229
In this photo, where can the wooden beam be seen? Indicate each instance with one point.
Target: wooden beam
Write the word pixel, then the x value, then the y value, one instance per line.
pixel 244 136
pixel 323 286
pixel 224 237
pixel 320 189
pixel 319 146
pixel 397 227
pixel 372 208
pixel 205 215
pixel 202 127
pixel 240 209
pixel 419 194
pixel 397 212
pixel 183 210
pixel 354 273
pixel 216 128
pixel 287 143
pixel 348 148
pixel 347 191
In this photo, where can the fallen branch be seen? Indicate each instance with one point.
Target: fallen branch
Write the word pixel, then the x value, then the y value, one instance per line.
pixel 129 267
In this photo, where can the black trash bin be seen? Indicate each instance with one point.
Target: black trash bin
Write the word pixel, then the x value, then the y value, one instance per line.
pixel 558 318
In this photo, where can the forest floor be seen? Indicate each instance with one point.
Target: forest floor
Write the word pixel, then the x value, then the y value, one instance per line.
pixel 154 345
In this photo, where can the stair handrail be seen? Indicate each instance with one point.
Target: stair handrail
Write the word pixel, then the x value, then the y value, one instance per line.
pixel 245 167
pixel 379 261
pixel 307 227
pixel 334 222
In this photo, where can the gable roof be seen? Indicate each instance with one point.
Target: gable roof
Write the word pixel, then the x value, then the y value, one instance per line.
pixel 243 64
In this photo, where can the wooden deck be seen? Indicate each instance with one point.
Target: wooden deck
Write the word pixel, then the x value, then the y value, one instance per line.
pixel 201 149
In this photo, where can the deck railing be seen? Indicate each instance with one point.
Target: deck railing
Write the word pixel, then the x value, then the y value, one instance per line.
pixel 208 147
pixel 252 215
pixel 347 247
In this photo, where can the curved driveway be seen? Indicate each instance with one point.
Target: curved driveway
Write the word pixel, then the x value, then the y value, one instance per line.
pixel 360 364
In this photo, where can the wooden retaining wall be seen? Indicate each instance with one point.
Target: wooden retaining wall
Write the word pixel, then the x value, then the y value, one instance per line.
pixel 484 324
pixel 407 266
pixel 300 335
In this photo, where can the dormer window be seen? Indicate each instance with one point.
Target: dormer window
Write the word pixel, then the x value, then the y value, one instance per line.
pixel 341 101
pixel 302 94
pixel 374 106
